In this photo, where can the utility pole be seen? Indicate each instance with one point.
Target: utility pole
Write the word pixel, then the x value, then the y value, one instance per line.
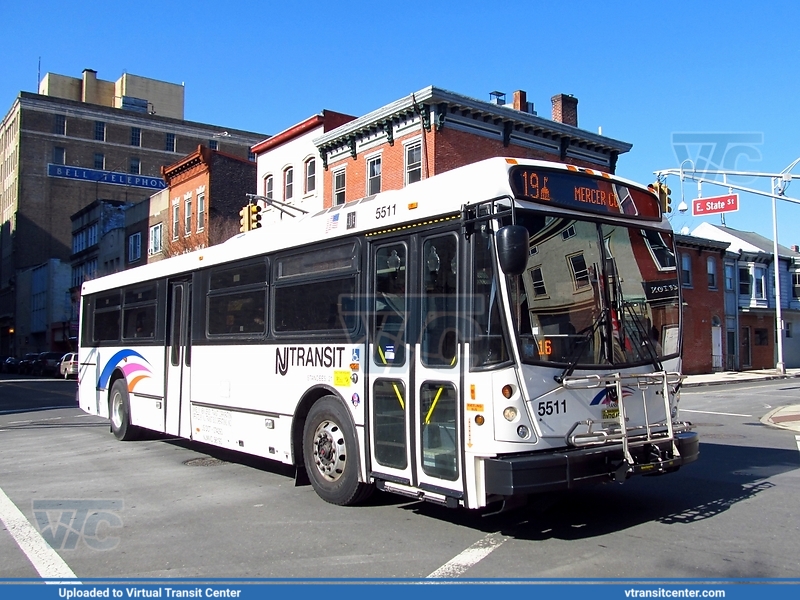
pixel 779 182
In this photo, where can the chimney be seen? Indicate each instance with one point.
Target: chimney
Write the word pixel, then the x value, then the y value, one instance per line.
pixel 795 248
pixel 565 109
pixel 521 101
pixel 89 88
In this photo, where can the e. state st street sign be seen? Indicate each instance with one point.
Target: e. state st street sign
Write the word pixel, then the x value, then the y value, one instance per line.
pixel 715 205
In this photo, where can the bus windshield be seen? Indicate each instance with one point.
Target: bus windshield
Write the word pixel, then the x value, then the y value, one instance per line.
pixel 595 294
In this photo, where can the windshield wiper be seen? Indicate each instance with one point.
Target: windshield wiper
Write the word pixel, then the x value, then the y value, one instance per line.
pixel 577 353
pixel 644 336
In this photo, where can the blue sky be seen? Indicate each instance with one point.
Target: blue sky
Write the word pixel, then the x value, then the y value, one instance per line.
pixel 643 71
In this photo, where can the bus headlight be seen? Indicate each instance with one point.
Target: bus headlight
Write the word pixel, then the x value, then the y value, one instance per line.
pixel 510 413
pixel 523 432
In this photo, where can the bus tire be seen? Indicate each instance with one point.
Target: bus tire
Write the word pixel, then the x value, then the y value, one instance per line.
pixel 119 412
pixel 330 454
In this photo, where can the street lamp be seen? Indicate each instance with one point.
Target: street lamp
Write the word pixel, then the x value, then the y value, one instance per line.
pixel 683 207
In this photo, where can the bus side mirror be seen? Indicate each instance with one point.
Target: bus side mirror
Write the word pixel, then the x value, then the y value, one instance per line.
pixel 512 249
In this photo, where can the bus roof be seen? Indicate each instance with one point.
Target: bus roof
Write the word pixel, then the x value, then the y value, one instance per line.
pixel 429 200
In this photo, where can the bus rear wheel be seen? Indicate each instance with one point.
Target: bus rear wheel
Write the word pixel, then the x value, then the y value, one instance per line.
pixel 119 412
pixel 330 454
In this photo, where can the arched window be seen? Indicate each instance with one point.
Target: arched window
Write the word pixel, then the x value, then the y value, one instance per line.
pixel 288 184
pixel 310 175
pixel 268 186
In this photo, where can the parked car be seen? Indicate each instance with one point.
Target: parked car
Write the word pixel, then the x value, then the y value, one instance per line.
pixel 47 363
pixel 68 366
pixel 26 363
pixel 10 365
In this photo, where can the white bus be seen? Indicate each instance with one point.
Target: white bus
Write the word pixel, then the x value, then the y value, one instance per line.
pixel 506 328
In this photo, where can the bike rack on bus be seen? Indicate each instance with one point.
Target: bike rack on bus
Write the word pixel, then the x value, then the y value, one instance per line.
pixel 486 210
pixel 606 431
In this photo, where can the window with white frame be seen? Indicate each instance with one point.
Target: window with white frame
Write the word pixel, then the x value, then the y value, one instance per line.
pixel 759 282
pixel 310 175
pixel 288 184
pixel 745 281
pixel 795 285
pixel 268 186
pixel 135 167
pixel 538 282
pixel 373 175
pixel 201 211
pixel 154 245
pixel 187 214
pixel 91 235
pixel 59 156
pixel 136 136
pixel 60 124
pixel 338 187
pixel 169 142
pixel 100 131
pixel 569 232
pixel 729 278
pixel 176 215
pixel 413 162
pixel 135 247
pixel 580 272
pixel 99 161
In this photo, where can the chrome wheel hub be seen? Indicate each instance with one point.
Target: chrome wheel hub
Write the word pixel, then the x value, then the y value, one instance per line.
pixel 329 450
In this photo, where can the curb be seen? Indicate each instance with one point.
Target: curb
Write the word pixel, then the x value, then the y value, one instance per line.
pixel 739 380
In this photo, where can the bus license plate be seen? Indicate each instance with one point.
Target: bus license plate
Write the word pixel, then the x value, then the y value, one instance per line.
pixel 611 413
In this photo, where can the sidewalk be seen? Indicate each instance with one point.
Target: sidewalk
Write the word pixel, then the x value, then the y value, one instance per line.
pixel 785 417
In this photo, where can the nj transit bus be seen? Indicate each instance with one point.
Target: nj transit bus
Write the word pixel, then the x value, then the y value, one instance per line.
pixel 504 329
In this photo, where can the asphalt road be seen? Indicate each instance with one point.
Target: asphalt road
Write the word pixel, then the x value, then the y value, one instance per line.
pixel 171 508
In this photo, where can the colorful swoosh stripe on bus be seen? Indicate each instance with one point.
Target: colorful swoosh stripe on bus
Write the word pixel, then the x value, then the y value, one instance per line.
pixel 603 397
pixel 128 369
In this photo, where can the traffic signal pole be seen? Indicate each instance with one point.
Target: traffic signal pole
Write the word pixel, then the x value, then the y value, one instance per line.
pixel 779 183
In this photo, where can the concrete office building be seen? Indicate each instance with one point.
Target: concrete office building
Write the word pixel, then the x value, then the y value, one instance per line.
pixel 77 141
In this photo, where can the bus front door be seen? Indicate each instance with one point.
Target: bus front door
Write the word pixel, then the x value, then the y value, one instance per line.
pixel 415 366
pixel 178 359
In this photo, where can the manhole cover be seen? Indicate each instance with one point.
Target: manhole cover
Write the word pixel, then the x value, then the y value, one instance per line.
pixel 204 462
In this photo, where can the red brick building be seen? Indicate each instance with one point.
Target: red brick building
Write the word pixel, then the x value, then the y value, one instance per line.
pixel 700 265
pixel 433 130
pixel 206 191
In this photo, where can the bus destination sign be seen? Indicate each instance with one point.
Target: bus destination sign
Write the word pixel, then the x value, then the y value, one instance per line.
pixel 580 191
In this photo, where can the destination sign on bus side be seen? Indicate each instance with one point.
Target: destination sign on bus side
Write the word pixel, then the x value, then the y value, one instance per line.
pixel 581 191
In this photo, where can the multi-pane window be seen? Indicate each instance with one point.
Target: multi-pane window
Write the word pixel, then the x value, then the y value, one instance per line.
pixel 580 272
pixel 169 142
pixel 100 131
pixel 569 232
pixel 373 175
pixel 59 156
pixel 744 281
pixel 686 270
pixel 268 186
pixel 201 211
pixel 213 144
pixel 99 161
pixel 135 247
pixel 59 124
pixel 413 162
pixel 154 246
pixel 288 183
pixel 338 187
pixel 251 156
pixel 187 214
pixel 795 285
pixel 712 272
pixel 311 182
pixel 135 167
pixel 136 136
pixel 175 219
pixel 538 282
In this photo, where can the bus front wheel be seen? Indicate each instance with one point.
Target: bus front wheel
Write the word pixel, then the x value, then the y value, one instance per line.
pixel 119 412
pixel 330 454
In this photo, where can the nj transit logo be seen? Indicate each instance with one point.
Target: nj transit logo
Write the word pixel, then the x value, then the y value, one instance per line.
pixel 609 396
pixel 134 370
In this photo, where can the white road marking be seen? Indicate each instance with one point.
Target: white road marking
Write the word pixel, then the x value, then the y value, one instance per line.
pixel 710 412
pixel 44 559
pixel 469 557
pixel 797 438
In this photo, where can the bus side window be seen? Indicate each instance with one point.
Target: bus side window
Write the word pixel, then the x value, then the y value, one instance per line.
pixel 390 305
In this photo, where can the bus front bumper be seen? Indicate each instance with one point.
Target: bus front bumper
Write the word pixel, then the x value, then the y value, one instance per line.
pixel 535 473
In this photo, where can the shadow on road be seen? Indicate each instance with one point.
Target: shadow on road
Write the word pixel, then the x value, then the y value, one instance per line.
pixel 723 477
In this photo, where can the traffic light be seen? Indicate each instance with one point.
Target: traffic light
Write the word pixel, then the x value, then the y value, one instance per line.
pixel 254 216
pixel 663 192
pixel 244 221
